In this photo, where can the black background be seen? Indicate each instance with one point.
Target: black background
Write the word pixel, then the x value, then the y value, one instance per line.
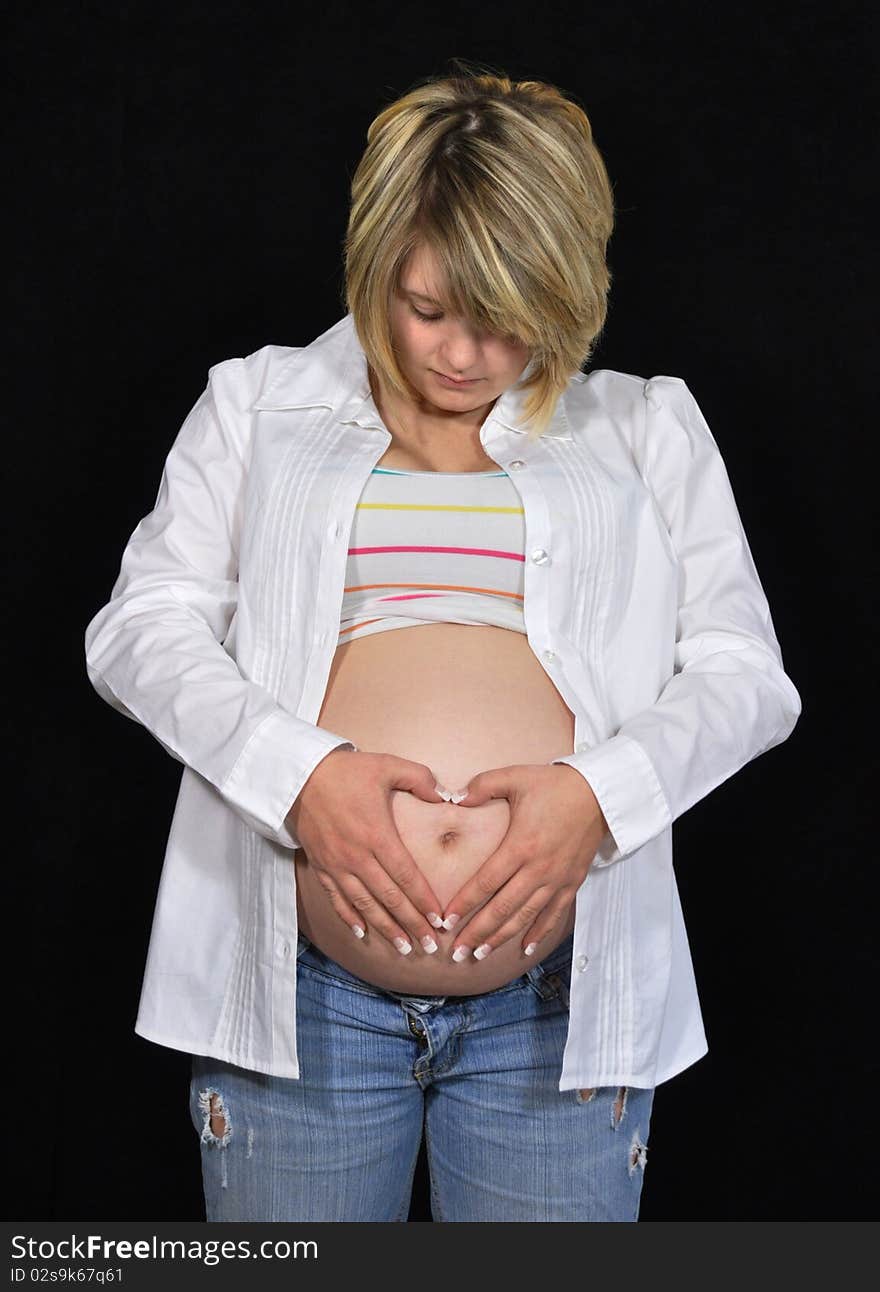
pixel 179 180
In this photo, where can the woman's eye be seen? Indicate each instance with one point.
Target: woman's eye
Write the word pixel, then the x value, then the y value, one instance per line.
pixel 426 318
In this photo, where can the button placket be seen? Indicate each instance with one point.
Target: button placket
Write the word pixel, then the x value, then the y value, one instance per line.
pixel 542 557
pixel 537 556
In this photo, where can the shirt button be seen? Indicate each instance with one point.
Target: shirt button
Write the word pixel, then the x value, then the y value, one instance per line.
pixel 540 557
pixel 322 637
pixel 285 948
pixel 515 464
pixel 582 962
pixel 549 656
pixel 582 747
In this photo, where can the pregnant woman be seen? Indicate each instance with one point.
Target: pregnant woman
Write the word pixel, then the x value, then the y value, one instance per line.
pixel 446 634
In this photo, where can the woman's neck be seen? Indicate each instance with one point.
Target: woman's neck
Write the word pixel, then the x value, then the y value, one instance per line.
pixel 424 435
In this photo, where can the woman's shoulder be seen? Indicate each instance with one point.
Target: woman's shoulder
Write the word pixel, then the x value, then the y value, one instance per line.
pixel 245 378
pixel 621 390
pixel 282 376
pixel 620 397
pixel 652 417
pixel 627 397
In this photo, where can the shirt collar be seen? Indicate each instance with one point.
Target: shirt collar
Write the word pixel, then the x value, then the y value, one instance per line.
pixel 331 372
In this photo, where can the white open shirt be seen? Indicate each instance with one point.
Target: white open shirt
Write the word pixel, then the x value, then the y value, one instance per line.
pixel 642 603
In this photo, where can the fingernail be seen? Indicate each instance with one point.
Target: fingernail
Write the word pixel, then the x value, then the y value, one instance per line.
pixel 403 946
pixel 443 792
pixel 429 944
pixel 458 796
pixel 434 918
pixel 450 921
pixel 531 948
pixel 482 951
pixel 461 953
pixel 357 930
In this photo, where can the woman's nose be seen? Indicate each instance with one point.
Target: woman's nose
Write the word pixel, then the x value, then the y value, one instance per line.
pixel 462 354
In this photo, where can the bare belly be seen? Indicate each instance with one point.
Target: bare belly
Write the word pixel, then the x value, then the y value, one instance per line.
pixel 461 699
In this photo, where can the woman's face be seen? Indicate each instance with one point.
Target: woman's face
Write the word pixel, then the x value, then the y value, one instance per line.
pixel 431 342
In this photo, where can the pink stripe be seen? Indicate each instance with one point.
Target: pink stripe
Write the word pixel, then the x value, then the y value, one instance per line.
pixel 410 596
pixel 465 551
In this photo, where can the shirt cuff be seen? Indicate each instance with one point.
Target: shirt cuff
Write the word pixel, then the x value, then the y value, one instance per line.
pixel 272 769
pixel 627 788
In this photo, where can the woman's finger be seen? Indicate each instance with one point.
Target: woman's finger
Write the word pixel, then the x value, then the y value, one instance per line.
pixel 414 891
pixel 493 876
pixel 369 892
pixel 489 928
pixel 395 909
pixel 546 923
pixel 340 903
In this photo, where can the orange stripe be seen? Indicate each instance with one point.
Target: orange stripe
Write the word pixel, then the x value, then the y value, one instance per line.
pixel 353 627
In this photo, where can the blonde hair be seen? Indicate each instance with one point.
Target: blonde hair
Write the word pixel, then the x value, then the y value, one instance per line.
pixel 504 183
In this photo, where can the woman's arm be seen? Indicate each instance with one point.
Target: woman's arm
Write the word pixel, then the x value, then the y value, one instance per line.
pixel 729 699
pixel 154 651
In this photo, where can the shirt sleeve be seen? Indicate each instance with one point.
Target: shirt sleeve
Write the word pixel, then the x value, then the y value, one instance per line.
pixel 155 651
pixel 728 699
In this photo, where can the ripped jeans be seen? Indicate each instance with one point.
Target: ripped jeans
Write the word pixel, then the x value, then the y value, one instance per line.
pixel 479 1075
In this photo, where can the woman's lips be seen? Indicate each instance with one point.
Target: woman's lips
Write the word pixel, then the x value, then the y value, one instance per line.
pixel 450 381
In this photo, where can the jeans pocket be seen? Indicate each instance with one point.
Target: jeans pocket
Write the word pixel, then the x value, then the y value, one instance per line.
pixel 551 984
pixel 557 981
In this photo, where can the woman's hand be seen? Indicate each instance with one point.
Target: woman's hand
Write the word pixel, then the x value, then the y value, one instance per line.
pixel 342 816
pixel 556 826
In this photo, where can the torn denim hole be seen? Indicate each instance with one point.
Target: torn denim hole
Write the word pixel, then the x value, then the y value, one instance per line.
pixel 638 1156
pixel 584 1096
pixel 217 1128
pixel 619 1107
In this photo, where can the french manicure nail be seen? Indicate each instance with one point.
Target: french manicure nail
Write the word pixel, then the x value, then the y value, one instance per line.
pixel 443 792
pixel 531 948
pixel 434 918
pixel 429 944
pixel 458 796
pixel 482 951
pixel 451 921
pixel 357 930
pixel 403 946
pixel 461 953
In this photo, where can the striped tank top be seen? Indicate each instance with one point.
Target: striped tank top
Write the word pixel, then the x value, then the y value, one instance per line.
pixel 434 546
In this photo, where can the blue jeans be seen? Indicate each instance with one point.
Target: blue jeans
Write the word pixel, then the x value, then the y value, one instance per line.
pixel 478 1074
